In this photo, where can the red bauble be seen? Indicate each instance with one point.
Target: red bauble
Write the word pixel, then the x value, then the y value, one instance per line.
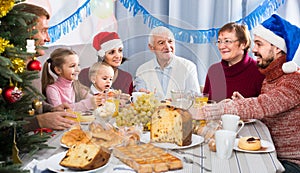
pixel 34 65
pixel 12 94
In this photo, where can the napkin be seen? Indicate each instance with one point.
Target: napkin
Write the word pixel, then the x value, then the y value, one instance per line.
pixel 36 166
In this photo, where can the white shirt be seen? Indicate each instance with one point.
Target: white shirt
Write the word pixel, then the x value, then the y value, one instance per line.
pixel 180 74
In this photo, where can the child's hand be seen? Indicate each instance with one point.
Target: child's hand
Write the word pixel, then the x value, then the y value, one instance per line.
pixel 99 99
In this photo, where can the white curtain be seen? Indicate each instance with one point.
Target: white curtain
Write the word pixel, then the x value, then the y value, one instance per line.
pixel 192 15
pixel 184 14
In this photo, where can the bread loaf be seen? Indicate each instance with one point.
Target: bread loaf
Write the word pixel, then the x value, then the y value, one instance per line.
pixel 85 157
pixel 173 125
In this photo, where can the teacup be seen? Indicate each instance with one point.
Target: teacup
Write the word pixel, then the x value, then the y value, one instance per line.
pixel 231 122
pixel 135 95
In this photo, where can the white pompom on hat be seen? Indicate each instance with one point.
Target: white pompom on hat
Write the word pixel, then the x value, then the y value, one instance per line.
pixel 105 41
pixel 283 35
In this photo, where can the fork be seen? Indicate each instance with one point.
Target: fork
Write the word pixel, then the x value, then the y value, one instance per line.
pixel 190 161
pixel 192 154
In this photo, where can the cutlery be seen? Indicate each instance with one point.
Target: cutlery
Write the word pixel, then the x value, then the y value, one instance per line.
pixel 190 161
pixel 192 154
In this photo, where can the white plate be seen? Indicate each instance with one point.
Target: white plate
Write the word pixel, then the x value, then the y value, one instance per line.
pixel 196 140
pixel 53 165
pixel 266 147
pixel 248 121
pixel 64 145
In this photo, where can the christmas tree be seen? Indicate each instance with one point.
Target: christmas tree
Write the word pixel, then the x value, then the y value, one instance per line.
pixel 17 93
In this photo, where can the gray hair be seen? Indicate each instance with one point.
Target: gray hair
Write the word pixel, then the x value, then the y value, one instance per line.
pixel 160 30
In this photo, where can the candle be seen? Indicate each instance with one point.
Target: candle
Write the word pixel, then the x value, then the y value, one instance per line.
pixel 30 43
pixel 30 46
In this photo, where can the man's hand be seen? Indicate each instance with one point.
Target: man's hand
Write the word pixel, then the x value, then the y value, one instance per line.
pixel 236 96
pixel 215 111
pixel 144 90
pixel 56 120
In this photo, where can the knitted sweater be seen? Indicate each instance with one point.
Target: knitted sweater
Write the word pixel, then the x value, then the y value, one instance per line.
pixel 63 91
pixel 278 106
pixel 222 80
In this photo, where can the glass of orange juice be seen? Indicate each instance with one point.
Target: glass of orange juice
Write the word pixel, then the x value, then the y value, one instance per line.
pixel 200 99
pixel 114 98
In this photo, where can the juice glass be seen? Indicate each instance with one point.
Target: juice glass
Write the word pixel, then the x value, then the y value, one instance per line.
pixel 200 99
pixel 114 98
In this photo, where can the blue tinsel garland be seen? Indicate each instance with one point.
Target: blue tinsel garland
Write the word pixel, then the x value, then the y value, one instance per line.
pixel 263 11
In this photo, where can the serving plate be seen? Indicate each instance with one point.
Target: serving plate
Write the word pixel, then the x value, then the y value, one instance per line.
pixel 53 165
pixel 266 147
pixel 196 140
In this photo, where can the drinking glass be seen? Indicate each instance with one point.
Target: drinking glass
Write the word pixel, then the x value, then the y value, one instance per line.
pixel 114 98
pixel 181 99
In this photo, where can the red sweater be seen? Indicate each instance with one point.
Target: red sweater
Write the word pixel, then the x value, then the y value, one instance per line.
pixel 222 80
pixel 278 106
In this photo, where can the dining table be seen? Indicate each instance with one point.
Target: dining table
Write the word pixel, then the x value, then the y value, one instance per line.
pixel 203 159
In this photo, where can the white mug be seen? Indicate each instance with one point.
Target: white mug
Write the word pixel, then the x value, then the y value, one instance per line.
pixel 231 122
pixel 135 95
pixel 224 143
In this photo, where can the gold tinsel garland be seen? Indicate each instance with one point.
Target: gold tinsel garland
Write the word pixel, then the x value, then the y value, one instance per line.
pixel 18 65
pixel 6 6
pixel 4 44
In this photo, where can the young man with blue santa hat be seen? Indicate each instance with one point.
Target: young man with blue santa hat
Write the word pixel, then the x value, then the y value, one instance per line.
pixel 278 106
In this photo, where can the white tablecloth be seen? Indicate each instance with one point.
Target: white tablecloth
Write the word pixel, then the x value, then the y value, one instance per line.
pixel 239 162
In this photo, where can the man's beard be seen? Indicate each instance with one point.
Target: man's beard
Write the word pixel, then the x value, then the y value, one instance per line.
pixel 265 63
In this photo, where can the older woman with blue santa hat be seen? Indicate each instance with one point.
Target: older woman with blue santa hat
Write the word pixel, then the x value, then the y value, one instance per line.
pixel 278 106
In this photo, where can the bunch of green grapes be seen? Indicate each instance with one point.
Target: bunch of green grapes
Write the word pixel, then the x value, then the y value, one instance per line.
pixel 139 112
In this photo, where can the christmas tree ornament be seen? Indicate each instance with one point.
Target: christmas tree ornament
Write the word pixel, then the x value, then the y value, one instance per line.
pixel 5 7
pixel 18 65
pixel 0 90
pixel 31 111
pixel 42 130
pixel 4 44
pixel 34 65
pixel 30 48
pixel 15 151
pixel 12 94
pixel 37 105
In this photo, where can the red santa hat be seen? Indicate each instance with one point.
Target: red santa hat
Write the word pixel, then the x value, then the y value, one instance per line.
pixel 105 41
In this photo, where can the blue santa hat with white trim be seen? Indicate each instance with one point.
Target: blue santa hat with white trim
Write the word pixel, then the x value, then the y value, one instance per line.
pixel 283 35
